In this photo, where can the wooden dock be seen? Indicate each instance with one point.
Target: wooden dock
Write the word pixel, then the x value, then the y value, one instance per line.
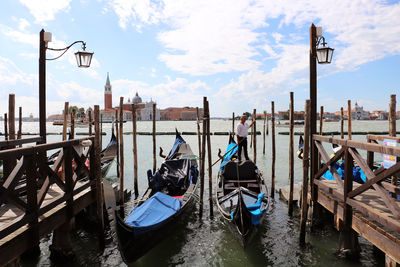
pixel 38 196
pixel 370 209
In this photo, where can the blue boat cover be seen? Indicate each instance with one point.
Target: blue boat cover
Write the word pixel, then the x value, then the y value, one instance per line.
pixel 255 210
pixel 358 174
pixel 229 155
pixel 153 211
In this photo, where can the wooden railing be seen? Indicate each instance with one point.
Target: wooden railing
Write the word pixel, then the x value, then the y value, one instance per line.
pixel 353 196
pixel 67 176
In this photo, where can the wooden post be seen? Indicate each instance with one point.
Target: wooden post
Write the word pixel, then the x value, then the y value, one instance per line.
pixel 19 135
pixel 98 177
pixel 291 153
pixel 117 136
pixel 273 149
pixel 73 124
pixel 90 122
pixel 198 130
pixel 101 130
pixel 304 191
pixel 203 151
pixel 321 119
pixel 341 123
pixel 154 139
pixel 121 149
pixel 254 137
pixel 5 127
pixel 11 116
pixel 135 159
pixel 233 123
pixel 264 133
pixel 266 114
pixel 348 242
pixel 209 161
pixel 65 122
pixel 349 118
pixel 392 129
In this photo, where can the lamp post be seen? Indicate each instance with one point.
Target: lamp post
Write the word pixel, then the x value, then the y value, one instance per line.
pixel 324 56
pixel 83 59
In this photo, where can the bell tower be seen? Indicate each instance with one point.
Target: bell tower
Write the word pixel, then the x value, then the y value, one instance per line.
pixel 107 94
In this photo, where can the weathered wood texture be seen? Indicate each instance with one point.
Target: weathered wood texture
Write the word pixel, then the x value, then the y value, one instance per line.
pixel 341 123
pixel 254 137
pixel 273 149
pixel 291 153
pixel 304 194
pixel 121 149
pixel 154 139
pixel 135 155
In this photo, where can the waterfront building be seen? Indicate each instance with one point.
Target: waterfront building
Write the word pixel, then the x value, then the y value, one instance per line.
pixel 358 113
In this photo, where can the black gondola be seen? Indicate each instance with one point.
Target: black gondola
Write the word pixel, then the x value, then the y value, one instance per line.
pixel 170 192
pixel 242 196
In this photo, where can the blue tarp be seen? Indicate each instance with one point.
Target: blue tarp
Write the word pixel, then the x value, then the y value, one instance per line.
pixel 255 210
pixel 229 155
pixel 153 211
pixel 358 174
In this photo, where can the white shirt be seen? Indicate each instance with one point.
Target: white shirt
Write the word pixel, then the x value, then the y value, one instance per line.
pixel 242 129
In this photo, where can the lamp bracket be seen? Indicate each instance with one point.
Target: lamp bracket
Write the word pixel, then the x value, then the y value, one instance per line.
pixel 65 49
pixel 319 39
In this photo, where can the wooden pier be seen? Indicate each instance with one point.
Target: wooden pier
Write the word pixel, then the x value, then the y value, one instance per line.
pixel 370 209
pixel 39 196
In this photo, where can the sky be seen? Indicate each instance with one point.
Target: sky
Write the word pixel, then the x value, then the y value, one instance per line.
pixel 240 54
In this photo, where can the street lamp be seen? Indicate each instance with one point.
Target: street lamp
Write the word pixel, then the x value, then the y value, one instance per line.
pixel 324 56
pixel 83 59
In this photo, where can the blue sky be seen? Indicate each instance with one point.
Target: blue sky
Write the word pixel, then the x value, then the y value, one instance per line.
pixel 240 54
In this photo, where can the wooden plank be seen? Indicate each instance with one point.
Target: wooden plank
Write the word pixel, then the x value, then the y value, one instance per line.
pixel 390 187
pixel 382 137
pixel 15 175
pixel 331 161
pixel 326 158
pixel 273 150
pixel 349 119
pixel 9 143
pixel 65 121
pixel 395 151
pixel 373 179
pixel 341 123
pixel 135 156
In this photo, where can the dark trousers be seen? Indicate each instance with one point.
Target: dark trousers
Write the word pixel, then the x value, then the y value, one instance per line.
pixel 242 144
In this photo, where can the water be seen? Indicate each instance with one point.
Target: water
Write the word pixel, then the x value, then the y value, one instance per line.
pixel 207 242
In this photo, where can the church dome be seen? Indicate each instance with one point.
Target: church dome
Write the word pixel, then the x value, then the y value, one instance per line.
pixel 137 99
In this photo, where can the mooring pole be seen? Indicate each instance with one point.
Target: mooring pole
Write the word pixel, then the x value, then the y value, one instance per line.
pixel 19 135
pixel 42 87
pixel 117 136
pixel 233 123
pixel 73 124
pixel 254 137
pixel 349 118
pixel 101 130
pixel 392 129
pixel 121 149
pixel 291 153
pixel 198 130
pixel 273 149
pixel 65 121
pixel 90 122
pixel 304 191
pixel 97 174
pixel 135 158
pixel 209 160
pixel 321 119
pixel 203 152
pixel 5 127
pixel 341 123
pixel 11 118
pixel 154 139
pixel 264 133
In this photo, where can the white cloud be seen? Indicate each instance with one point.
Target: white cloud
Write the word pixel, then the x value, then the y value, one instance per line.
pixel 45 10
pixel 10 74
pixel 23 23
pixel 20 36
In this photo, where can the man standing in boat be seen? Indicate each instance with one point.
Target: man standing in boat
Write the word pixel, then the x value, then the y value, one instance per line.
pixel 241 133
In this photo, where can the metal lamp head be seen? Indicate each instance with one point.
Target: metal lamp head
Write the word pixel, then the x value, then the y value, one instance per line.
pixel 324 54
pixel 83 58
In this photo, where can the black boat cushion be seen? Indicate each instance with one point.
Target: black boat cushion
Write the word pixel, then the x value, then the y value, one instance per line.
pixel 173 177
pixel 247 170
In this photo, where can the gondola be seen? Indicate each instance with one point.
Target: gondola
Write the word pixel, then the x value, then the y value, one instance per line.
pixel 170 192
pixel 242 196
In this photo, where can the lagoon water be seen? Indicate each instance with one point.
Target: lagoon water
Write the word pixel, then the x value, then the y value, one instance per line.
pixel 207 242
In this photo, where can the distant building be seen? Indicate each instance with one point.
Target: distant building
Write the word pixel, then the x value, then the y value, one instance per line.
pixel 358 113
pixel 175 113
